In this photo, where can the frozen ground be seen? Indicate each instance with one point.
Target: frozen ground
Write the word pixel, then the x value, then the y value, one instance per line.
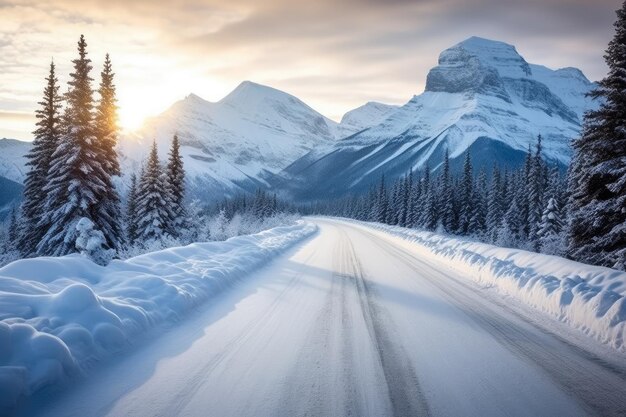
pixel 355 321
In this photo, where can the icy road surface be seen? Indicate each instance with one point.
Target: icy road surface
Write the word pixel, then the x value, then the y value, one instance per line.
pixel 352 323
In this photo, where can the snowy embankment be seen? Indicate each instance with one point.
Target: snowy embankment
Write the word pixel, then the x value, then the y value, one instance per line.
pixel 59 314
pixel 586 297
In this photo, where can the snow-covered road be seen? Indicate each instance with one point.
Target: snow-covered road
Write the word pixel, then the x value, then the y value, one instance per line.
pixel 352 323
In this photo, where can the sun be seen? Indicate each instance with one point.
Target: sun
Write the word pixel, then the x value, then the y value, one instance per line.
pixel 131 117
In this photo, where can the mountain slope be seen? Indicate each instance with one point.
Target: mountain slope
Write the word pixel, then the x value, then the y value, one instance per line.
pixel 483 96
pixel 369 114
pixel 234 143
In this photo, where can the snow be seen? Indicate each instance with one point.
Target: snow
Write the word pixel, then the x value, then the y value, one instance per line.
pixel 60 314
pixel 352 322
pixel 13 159
pixel 253 130
pixel 589 298
pixel 485 89
pixel 369 114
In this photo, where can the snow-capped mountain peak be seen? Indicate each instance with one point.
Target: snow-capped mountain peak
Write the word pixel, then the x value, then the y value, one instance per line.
pixel 483 96
pixel 371 113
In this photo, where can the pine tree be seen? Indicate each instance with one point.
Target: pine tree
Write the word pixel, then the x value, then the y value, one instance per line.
pixel 152 209
pixel 131 209
pixel 549 234
pixel 46 138
pixel 477 225
pixel 74 182
pixel 175 185
pixel 495 206
pixel 447 202
pixel 106 120
pixel 598 187
pixel 107 211
pixel 466 196
pixel 536 184
pixel 382 204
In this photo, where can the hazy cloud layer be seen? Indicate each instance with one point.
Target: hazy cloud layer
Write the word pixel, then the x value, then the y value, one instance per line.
pixel 333 55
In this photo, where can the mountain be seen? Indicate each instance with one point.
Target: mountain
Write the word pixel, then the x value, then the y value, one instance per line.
pixel 12 172
pixel 235 143
pixel 13 160
pixel 482 96
pixel 369 114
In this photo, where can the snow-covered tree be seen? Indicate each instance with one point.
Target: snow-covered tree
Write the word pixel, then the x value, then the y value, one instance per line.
pixel 92 243
pixel 46 138
pixel 153 212
pixel 535 185
pixel 466 196
pixel 495 204
pixel 74 182
pixel 175 185
pixel 382 204
pixel 598 183
pixel 448 219
pixel 106 123
pixel 550 232
pixel 131 210
pixel 108 212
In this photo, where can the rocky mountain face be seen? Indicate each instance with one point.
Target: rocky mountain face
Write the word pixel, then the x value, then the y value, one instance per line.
pixel 482 97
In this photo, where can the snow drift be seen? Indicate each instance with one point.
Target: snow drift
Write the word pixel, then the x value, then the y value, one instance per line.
pixel 586 297
pixel 59 314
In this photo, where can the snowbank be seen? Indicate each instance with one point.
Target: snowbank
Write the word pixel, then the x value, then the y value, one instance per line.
pixel 59 314
pixel 589 298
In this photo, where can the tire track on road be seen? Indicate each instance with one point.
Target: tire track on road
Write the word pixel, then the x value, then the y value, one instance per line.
pixel 404 391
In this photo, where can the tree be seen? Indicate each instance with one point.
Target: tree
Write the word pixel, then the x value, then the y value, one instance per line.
pixel 447 202
pixel 131 209
pixel 382 204
pixel 91 242
pixel 495 205
pixel 549 234
pixel 175 186
pixel 106 127
pixel 74 181
pixel 598 183
pixel 46 138
pixel 153 212
pixel 536 183
pixel 107 212
pixel 466 196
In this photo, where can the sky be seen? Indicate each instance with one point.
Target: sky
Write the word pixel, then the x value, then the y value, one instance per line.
pixel 334 55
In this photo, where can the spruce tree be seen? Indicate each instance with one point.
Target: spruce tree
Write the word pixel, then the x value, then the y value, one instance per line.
pixel 107 212
pixel 447 202
pixel 466 196
pixel 382 204
pixel 74 181
pixel 46 138
pixel 598 183
pixel 495 206
pixel 536 183
pixel 106 119
pixel 477 225
pixel 131 209
pixel 549 234
pixel 153 212
pixel 175 185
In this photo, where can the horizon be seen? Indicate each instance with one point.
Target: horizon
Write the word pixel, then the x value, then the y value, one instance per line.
pixel 332 68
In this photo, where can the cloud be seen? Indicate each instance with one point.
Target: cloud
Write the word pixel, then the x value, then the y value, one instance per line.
pixel 333 55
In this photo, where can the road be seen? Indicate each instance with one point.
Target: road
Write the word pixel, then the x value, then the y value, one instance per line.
pixel 351 322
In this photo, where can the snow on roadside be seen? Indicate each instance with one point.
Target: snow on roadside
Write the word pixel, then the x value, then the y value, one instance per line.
pixel 586 297
pixel 59 314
